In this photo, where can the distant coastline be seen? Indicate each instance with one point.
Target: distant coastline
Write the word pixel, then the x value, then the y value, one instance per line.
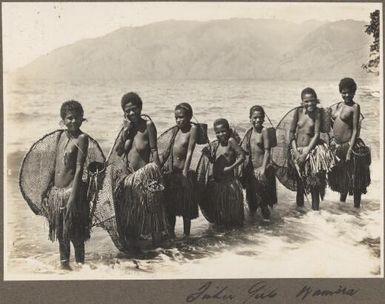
pixel 231 49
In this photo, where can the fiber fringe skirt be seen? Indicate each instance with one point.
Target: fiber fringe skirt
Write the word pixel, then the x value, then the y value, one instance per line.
pixel 264 192
pixel 354 175
pixel 312 173
pixel 77 225
pixel 141 202
pixel 226 199
pixel 180 194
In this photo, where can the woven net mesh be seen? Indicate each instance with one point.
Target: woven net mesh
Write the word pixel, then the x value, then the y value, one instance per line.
pixel 165 142
pixel 38 168
pixel 280 153
pixel 105 214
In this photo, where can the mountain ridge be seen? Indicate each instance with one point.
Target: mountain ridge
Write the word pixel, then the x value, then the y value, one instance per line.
pixel 238 48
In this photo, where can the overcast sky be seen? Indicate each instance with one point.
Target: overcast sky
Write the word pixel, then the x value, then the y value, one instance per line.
pixel 34 29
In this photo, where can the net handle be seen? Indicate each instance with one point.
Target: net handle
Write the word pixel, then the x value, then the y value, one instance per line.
pixel 268 118
pixel 196 120
pixel 141 115
pixel 147 116
pixel 197 123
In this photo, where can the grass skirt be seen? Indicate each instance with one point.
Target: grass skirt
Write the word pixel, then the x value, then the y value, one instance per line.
pixel 77 226
pixel 180 195
pixel 354 175
pixel 261 193
pixel 312 173
pixel 226 201
pixel 141 208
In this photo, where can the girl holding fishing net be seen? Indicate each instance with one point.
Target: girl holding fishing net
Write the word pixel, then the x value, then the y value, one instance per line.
pixel 133 183
pixel 257 172
pixel 309 156
pixel 352 173
pixel 221 191
pixel 180 196
pixel 55 182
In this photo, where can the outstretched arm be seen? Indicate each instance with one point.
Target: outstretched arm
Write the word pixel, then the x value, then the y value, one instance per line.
pixel 153 142
pixel 260 171
pixel 240 154
pixel 293 130
pixel 190 149
pixel 317 132
pixel 267 147
pixel 125 138
pixel 82 146
pixel 356 125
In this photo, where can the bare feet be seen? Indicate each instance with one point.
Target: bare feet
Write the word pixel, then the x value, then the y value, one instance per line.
pixel 65 265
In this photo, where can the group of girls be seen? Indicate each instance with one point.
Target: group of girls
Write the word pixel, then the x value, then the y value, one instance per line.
pixel 340 159
pixel 149 181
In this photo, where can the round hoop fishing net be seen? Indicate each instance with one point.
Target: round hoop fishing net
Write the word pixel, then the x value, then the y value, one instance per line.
pixel 280 153
pixel 38 168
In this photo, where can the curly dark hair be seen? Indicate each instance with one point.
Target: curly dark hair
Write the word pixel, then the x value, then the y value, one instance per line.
pixel 187 107
pixel 309 91
pixel 256 108
pixel 222 121
pixel 73 106
pixel 347 83
pixel 133 98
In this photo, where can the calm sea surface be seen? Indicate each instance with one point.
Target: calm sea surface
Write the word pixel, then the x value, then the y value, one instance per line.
pixel 337 241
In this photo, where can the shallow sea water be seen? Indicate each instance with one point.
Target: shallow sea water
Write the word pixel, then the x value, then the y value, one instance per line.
pixel 337 241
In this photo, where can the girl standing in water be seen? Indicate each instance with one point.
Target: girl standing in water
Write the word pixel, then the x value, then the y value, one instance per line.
pixel 140 209
pixel 352 173
pixel 179 179
pixel 66 203
pixel 309 157
pixel 222 201
pixel 258 174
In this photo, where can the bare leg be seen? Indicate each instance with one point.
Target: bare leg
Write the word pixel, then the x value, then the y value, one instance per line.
pixel 79 250
pixel 265 211
pixel 186 226
pixel 300 194
pixel 64 248
pixel 251 197
pixel 343 197
pixel 171 223
pixel 357 199
pixel 315 199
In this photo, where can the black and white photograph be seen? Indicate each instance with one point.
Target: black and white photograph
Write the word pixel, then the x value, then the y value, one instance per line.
pixel 192 140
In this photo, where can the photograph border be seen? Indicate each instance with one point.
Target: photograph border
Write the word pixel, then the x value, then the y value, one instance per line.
pixel 248 291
